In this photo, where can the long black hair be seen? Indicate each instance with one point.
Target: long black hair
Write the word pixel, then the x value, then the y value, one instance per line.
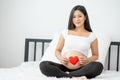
pixel 82 9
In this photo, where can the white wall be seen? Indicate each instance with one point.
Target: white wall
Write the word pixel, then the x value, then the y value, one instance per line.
pixel 20 19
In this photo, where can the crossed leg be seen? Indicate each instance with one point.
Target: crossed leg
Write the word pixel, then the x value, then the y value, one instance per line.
pixel 90 70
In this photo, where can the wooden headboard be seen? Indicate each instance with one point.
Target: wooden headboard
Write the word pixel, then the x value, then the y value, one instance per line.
pixel 43 41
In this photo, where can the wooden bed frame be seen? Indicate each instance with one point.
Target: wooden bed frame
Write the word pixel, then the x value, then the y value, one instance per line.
pixel 43 41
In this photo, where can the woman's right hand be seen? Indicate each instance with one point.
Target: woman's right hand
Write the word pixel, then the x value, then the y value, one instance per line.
pixel 64 60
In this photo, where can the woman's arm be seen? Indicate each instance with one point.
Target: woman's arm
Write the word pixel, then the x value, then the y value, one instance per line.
pixel 59 47
pixel 59 50
pixel 94 49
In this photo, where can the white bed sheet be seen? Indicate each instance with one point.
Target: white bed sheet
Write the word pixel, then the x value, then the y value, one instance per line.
pixel 30 71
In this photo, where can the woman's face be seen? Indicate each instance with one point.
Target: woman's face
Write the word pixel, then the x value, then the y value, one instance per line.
pixel 78 18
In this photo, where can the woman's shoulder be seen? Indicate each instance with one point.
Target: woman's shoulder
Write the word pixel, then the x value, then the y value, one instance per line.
pixel 64 32
pixel 87 33
pixel 92 36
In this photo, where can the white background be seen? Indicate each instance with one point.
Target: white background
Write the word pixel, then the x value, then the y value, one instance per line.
pixel 20 19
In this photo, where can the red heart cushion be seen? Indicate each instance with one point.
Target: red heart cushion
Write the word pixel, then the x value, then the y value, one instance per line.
pixel 74 59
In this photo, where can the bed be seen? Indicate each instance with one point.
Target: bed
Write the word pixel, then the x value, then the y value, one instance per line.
pixel 29 69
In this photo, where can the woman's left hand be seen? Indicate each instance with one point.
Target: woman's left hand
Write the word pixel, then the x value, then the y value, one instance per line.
pixel 83 60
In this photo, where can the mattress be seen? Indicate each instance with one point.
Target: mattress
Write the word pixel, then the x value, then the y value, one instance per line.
pixel 30 71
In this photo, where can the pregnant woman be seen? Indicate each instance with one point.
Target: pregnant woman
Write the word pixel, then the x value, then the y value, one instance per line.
pixel 72 50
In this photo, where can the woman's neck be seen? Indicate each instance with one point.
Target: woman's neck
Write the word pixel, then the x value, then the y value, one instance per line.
pixel 81 29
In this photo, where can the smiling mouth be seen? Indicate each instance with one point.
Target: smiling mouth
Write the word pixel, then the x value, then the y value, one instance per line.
pixel 77 22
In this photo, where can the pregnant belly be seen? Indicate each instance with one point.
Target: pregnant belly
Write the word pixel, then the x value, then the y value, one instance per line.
pixel 73 57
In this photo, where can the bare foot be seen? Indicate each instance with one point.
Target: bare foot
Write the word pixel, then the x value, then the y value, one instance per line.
pixel 80 78
pixel 67 72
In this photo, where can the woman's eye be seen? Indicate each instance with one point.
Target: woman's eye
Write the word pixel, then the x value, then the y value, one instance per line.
pixel 79 16
pixel 74 16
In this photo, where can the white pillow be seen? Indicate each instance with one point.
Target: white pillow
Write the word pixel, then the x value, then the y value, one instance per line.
pixel 103 45
pixel 49 54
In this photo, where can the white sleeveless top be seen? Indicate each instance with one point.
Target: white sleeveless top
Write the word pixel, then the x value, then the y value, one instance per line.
pixel 78 43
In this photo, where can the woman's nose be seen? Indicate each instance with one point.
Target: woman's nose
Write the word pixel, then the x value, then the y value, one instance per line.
pixel 77 18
